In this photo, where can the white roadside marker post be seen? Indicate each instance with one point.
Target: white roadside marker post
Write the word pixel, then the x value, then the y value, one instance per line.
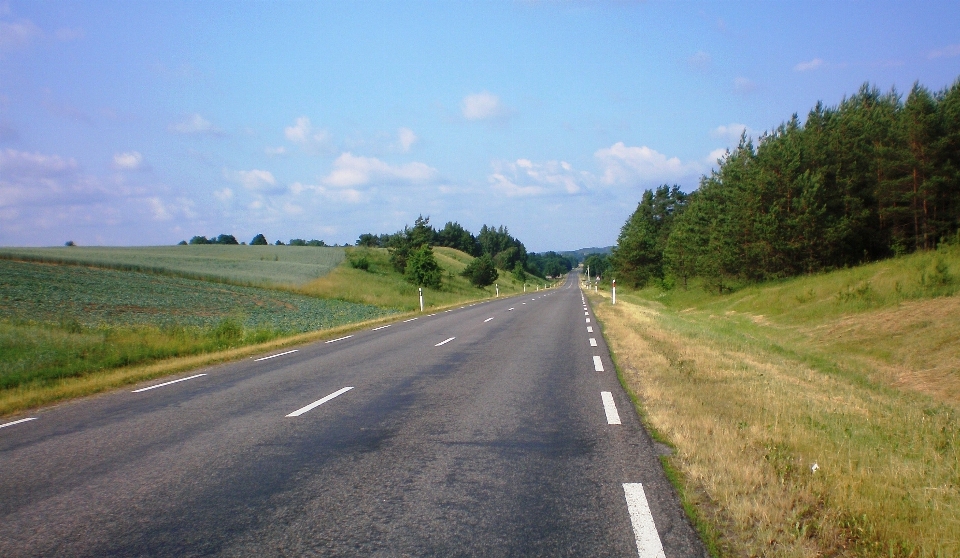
pixel 498 290
pixel 421 298
pixel 614 288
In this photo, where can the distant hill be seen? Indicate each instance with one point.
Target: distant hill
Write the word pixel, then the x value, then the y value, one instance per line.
pixel 584 252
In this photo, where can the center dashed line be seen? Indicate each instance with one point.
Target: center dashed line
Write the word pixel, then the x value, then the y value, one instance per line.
pixel 597 364
pixel 589 329
pixel 644 530
pixel 487 320
pixel 593 342
pixel 445 341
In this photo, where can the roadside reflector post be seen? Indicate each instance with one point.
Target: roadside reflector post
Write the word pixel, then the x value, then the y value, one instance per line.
pixel 421 298
pixel 498 290
pixel 614 289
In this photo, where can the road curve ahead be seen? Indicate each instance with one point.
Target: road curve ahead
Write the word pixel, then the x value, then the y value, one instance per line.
pixel 495 429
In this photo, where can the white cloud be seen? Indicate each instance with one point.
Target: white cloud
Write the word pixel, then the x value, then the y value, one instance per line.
pixel 18 34
pixel 223 195
pixel 195 124
pixel 350 170
pixel 701 60
pixel 527 178
pixel 483 106
pixel 732 132
pixel 344 195
pixel 255 179
pixel 132 160
pixel 814 64
pixel 948 51
pixel 630 165
pixel 303 133
pixel 275 151
pixel 743 85
pixel 405 139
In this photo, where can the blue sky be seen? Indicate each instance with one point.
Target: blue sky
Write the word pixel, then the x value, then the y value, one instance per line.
pixel 133 123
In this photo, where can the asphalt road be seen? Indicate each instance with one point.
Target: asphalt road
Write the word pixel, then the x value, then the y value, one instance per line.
pixel 480 431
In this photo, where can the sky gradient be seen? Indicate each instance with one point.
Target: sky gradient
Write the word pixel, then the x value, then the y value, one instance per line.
pixel 146 123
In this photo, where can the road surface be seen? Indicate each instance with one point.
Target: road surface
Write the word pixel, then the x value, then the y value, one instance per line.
pixel 495 429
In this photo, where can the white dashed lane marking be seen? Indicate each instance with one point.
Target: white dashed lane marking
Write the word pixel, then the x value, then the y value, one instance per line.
pixel 319 402
pixel 589 329
pixel 381 327
pixel 597 364
pixel 445 341
pixel 17 422
pixel 648 541
pixel 593 342
pixel 487 320
pixel 167 383
pixel 410 320
pixel 275 356
pixel 339 339
pixel 610 408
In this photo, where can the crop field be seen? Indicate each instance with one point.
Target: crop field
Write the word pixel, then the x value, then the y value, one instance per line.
pixel 66 321
pixel 245 265
pixel 93 296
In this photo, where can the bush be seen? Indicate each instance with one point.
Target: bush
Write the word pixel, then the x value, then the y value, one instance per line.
pixel 361 263
pixel 481 271
pixel 422 268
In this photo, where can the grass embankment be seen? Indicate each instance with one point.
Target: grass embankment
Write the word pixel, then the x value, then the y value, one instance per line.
pixel 813 417
pixel 73 329
pixel 380 285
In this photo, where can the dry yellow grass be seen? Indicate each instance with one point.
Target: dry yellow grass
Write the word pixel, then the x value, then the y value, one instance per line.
pixel 785 452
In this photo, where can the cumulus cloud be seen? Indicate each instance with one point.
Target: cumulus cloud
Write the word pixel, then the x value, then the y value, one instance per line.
pixel 623 165
pixel 255 179
pixel 814 64
pixel 342 195
pixel 223 195
pixel 195 124
pixel 524 177
pixel 132 160
pixel 303 133
pixel 732 132
pixel 483 106
pixel 948 51
pixel 405 139
pixel 350 170
pixel 275 151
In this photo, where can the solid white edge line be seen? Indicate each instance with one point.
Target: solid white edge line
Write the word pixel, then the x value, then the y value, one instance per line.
pixel 593 342
pixel 610 408
pixel 597 364
pixel 487 320
pixel 410 320
pixel 445 341
pixel 319 402
pixel 381 327
pixel 275 356
pixel 167 383
pixel 17 422
pixel 339 339
pixel 644 530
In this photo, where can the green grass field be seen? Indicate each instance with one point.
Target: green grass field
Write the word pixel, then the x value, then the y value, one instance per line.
pixel 817 416
pixel 243 265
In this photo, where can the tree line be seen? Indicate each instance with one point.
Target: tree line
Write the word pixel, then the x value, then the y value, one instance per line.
pixel 258 240
pixel 874 177
pixel 494 249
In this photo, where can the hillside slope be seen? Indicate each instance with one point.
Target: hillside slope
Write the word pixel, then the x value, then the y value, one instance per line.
pixel 810 417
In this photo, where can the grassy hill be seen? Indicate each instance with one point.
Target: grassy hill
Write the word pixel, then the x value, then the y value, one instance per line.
pixel 813 416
